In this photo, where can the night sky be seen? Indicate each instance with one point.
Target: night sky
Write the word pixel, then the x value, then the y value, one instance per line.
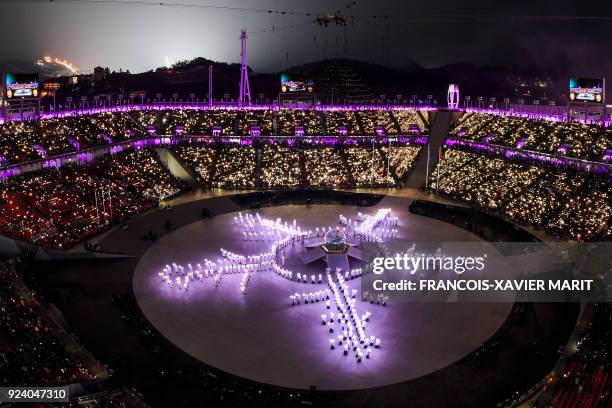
pixel 431 33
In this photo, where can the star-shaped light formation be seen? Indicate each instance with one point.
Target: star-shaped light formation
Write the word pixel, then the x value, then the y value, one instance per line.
pixel 346 321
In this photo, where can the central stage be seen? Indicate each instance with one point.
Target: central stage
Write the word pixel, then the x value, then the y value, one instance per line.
pixel 262 337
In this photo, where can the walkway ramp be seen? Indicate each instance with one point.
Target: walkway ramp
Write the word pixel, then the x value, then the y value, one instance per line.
pixel 175 165
pixel 430 156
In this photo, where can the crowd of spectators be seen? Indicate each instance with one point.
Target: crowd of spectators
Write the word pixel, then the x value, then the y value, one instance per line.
pixel 31 140
pixel 335 120
pixel 141 172
pixel 200 159
pixel 117 125
pixel 273 165
pixel 368 165
pixel 587 377
pixel 563 202
pixel 534 204
pixel 235 167
pixel 59 207
pixel 196 122
pixel 192 122
pixel 370 119
pixel 280 167
pixel 325 167
pixel 261 119
pixel 402 158
pixel 20 221
pixel 81 131
pixel 408 121
pixel 587 214
pixel 289 119
pixel 16 140
pixel 47 195
pixel 571 139
pixel 146 118
pixel 283 122
pixel 54 207
pixel 30 355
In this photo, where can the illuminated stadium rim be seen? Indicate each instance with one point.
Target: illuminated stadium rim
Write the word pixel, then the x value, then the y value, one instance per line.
pixel 320 108
pixel 228 107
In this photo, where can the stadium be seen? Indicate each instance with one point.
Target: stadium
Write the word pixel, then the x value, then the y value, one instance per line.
pixel 173 249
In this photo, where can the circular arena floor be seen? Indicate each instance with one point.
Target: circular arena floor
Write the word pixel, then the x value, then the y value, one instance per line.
pixel 262 337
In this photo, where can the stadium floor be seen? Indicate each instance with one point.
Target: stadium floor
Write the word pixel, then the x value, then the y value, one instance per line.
pixel 84 291
pixel 262 337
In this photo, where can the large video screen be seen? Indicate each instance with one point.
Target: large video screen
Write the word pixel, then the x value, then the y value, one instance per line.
pixel 21 85
pixel 586 90
pixel 290 85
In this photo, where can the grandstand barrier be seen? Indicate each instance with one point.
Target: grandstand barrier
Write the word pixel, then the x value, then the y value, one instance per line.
pixel 262 199
pixel 159 106
pixel 78 157
pixel 510 153
pixel 525 111
pixel 472 219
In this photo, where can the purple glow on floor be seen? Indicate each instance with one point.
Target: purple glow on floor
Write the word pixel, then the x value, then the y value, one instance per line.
pixel 347 325
pixel 259 335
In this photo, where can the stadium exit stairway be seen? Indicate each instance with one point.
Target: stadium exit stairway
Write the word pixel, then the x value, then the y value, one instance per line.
pixel 440 124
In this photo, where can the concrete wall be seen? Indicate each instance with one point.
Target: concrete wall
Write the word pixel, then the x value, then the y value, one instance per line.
pixel 173 165
pixel 440 123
